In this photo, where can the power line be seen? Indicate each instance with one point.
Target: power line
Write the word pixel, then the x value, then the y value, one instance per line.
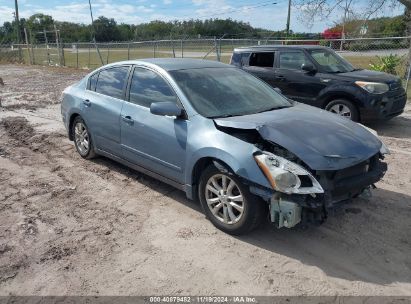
pixel 190 6
pixel 245 7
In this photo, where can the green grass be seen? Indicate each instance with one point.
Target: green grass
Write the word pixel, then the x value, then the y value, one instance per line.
pixel 86 58
pixel 89 57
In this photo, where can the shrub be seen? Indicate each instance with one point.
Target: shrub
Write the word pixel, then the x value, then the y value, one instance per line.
pixel 387 64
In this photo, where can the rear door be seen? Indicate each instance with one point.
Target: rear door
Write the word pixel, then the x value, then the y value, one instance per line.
pixel 157 143
pixel 261 64
pixel 102 107
pixel 295 83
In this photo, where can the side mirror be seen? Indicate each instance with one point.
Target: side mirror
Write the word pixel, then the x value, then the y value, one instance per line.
pixel 166 108
pixel 308 68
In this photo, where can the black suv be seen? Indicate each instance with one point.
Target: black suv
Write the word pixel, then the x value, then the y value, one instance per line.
pixel 319 77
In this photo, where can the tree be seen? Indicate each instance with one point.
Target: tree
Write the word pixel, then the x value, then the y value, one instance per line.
pixel 40 22
pixel 323 8
pixel 106 29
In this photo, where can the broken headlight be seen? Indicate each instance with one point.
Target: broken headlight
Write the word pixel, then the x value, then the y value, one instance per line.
pixel 285 176
pixel 384 149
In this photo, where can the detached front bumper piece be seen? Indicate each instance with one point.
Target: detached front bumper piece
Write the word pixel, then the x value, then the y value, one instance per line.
pixel 284 212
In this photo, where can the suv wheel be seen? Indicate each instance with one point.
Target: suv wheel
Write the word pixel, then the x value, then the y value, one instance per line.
pixel 228 204
pixel 343 108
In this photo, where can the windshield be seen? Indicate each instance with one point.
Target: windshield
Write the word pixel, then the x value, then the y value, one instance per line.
pixel 331 62
pixel 222 92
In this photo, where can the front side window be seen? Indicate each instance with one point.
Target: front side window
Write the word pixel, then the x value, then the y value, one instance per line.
pixel 111 81
pixel 223 92
pixel 265 59
pixel 148 87
pixel 292 60
pixel 330 61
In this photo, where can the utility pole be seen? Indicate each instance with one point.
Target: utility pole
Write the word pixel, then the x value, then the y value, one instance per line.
pixel 18 29
pixel 17 21
pixel 288 18
pixel 94 33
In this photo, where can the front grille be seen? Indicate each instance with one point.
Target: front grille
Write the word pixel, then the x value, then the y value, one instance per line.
pixel 352 171
pixel 349 182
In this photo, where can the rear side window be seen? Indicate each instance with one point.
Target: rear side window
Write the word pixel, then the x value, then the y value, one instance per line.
pixel 265 59
pixel 111 81
pixel 148 87
pixel 92 82
pixel 292 60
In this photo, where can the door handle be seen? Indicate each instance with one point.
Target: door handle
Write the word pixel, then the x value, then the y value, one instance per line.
pixel 128 119
pixel 87 102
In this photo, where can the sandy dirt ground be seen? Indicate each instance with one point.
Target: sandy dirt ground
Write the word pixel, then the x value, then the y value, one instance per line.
pixel 74 227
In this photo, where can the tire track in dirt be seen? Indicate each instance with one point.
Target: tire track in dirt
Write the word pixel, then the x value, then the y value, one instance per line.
pixel 62 212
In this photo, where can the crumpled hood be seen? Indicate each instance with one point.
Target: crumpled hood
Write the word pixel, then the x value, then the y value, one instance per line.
pixel 322 140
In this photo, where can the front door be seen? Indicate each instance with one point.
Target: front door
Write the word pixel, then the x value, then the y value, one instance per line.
pixel 157 143
pixel 295 83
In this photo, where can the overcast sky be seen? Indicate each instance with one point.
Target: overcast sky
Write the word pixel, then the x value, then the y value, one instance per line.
pixel 258 13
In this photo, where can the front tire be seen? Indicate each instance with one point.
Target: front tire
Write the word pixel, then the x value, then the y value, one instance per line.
pixel 228 204
pixel 343 108
pixel 82 138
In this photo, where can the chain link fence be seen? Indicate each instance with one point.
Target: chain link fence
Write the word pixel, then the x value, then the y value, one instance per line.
pixel 48 49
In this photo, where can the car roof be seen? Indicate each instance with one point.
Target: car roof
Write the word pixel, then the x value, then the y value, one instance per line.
pixel 277 47
pixel 172 64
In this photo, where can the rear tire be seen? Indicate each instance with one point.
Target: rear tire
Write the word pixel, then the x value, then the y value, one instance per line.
pixel 82 138
pixel 343 108
pixel 228 203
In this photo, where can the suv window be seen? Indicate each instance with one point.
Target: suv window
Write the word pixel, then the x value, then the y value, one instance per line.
pixel 236 59
pixel 148 87
pixel 240 59
pixel 292 60
pixel 92 82
pixel 111 81
pixel 262 59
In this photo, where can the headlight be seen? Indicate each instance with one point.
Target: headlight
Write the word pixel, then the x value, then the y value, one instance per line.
pixel 373 87
pixel 285 176
pixel 384 149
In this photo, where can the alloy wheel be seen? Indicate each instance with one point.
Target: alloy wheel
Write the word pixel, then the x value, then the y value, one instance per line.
pixel 81 138
pixel 224 199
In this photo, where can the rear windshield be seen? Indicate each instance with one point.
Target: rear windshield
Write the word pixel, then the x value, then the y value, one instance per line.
pixel 222 92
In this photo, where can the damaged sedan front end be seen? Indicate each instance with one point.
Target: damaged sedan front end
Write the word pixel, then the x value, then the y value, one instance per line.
pixel 313 161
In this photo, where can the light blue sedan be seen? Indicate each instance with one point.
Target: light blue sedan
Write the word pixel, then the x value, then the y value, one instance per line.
pixel 225 138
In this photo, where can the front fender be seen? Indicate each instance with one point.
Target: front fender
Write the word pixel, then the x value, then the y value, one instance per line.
pixel 235 153
pixel 343 90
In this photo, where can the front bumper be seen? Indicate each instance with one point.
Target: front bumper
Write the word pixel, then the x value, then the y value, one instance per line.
pixel 384 106
pixel 339 186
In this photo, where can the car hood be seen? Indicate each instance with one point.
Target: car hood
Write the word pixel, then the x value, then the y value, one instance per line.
pixel 322 140
pixel 367 75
